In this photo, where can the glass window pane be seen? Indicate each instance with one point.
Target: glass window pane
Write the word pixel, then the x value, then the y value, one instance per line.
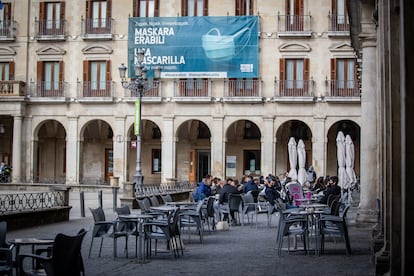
pixel 102 77
pixel 151 8
pixel 57 16
pixel 299 73
pixel 103 14
pixel 341 11
pixel 49 16
pixel 199 8
pixel 56 76
pixel 94 75
pixel 340 73
pixel 191 7
pixel 48 75
pixel 289 73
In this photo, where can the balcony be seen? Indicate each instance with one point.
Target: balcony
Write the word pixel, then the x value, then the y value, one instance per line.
pixel 12 89
pixel 192 90
pixel 338 26
pixel 92 91
pixel 152 95
pixel 97 28
pixel 50 30
pixel 242 91
pixel 46 91
pixel 7 30
pixel 294 91
pixel 342 91
pixel 294 25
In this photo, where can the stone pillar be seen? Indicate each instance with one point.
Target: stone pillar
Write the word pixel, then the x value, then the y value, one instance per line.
pixel 72 152
pixel 319 145
pixel 119 141
pixel 217 148
pixel 369 133
pixel 17 149
pixel 168 150
pixel 268 147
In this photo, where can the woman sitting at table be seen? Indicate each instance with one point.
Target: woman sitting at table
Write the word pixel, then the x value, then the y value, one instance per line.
pixel 319 186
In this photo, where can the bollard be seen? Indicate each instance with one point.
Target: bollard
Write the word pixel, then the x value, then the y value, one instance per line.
pixel 115 195
pixel 82 203
pixel 100 198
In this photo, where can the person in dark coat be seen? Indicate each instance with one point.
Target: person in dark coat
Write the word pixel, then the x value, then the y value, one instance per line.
pixel 228 188
pixel 332 189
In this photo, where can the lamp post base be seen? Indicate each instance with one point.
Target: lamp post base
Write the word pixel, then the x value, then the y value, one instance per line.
pixel 139 180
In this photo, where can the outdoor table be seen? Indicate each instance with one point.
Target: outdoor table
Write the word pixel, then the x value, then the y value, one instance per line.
pixel 33 242
pixel 164 209
pixel 139 220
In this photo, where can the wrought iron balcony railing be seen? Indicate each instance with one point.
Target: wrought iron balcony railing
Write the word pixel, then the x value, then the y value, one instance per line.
pixel 338 23
pixel 7 30
pixel 97 28
pixel 96 89
pixel 294 88
pixel 49 89
pixel 343 88
pixel 192 88
pixel 298 25
pixel 243 88
pixel 51 29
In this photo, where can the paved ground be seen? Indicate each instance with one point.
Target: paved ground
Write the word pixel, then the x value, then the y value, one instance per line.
pixel 244 250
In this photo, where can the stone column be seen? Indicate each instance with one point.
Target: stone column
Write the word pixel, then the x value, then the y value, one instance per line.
pixel 369 131
pixel 72 152
pixel 268 147
pixel 319 145
pixel 217 148
pixel 17 149
pixel 168 150
pixel 120 159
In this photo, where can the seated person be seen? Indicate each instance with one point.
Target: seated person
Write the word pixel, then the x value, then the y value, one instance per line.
pixel 319 185
pixel 228 188
pixel 203 191
pixel 273 195
pixel 332 189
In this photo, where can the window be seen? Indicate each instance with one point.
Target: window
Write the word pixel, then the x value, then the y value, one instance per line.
pixel 343 76
pixel 156 161
pixel 6 71
pixel 51 15
pixel 98 16
pixel 294 77
pixel 244 7
pixel 5 19
pixel 339 20
pixel 251 162
pixel 50 79
pixel 194 7
pixel 97 78
pixel 294 15
pixel 146 8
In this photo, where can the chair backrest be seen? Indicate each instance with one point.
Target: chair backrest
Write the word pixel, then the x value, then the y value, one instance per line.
pixel 235 201
pixel 123 210
pixel 344 213
pixel 66 258
pixel 248 201
pixel 335 207
pixel 210 207
pixel 295 191
pixel 98 214
pixel 154 201
pixel 144 204
pixel 166 198
pixel 255 195
pixel 3 232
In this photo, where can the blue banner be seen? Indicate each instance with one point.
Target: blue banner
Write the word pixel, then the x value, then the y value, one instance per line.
pixel 196 46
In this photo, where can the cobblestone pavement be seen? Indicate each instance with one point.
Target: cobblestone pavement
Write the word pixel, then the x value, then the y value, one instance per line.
pixel 243 250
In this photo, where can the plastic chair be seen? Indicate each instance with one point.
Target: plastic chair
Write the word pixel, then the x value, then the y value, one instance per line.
pixel 252 208
pixel 334 225
pixel 236 205
pixel 292 225
pixel 154 201
pixel 6 252
pixel 166 198
pixel 296 192
pixel 193 218
pixel 209 213
pixel 66 258
pixel 106 229
pixel 130 226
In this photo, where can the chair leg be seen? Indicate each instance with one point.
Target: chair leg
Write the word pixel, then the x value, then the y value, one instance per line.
pixel 100 248
pixel 90 248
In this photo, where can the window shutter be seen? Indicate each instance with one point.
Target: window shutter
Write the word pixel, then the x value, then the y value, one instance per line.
pixel 62 10
pixel 306 69
pixel 61 71
pixel 86 70
pixel 238 7
pixel 157 8
pixel 334 7
pixel 40 71
pixel 205 7
pixel 11 70
pixel 42 11
pixel 108 70
pixel 88 9
pixel 282 66
pixel 333 69
pixel 288 7
pixel 301 7
pixel 184 8
pixel 7 11
pixel 109 9
pixel 135 8
pixel 251 7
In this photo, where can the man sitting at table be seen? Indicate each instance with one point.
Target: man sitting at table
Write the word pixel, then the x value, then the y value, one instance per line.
pixel 203 190
pixel 331 189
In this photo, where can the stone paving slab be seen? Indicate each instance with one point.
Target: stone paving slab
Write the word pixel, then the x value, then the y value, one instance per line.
pixel 243 250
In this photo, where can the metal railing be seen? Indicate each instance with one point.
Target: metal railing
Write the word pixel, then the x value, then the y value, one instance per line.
pixel 49 89
pixel 242 88
pixel 159 189
pixel 192 88
pixel 19 202
pixel 294 88
pixel 97 89
pixel 343 88
pixel 7 28
pixel 51 28
pixel 12 88
pixel 338 23
pixel 294 23
pixel 97 26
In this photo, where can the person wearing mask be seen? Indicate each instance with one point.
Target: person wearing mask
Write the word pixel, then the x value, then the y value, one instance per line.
pixel 332 189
